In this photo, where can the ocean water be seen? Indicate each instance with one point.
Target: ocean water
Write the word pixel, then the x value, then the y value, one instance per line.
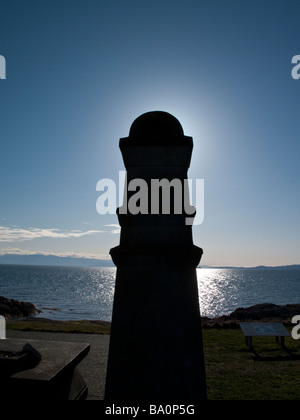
pixel 69 293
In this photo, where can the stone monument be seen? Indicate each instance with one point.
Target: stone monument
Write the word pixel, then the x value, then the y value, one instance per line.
pixel 156 351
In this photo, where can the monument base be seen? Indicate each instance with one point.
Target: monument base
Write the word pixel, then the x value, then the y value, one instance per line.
pixel 156 342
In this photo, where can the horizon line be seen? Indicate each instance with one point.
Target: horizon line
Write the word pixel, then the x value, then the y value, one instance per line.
pixel 106 259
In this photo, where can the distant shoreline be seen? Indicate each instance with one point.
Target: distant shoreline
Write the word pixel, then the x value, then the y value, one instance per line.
pixel 70 262
pixel 53 261
pixel 258 267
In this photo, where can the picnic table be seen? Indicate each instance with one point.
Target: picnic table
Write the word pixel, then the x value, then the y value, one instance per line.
pixel 273 329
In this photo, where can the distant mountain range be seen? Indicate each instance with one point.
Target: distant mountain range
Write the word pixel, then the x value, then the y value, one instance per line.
pixel 53 260
pixel 260 267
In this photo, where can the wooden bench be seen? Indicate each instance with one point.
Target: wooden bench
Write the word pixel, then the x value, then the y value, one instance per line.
pixel 276 330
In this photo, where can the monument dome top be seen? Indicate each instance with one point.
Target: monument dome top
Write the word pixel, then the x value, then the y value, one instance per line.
pixel 155 124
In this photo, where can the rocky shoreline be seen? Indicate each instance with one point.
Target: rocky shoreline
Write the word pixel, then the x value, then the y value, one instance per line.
pixel 13 309
pixel 262 312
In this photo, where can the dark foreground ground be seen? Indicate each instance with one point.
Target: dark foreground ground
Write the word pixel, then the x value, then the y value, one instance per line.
pixel 233 372
pixel 92 368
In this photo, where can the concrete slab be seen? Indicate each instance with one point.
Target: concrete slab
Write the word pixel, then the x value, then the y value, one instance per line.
pixel 92 368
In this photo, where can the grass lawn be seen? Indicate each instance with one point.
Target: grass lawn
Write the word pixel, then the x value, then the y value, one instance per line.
pixel 233 372
pixel 47 325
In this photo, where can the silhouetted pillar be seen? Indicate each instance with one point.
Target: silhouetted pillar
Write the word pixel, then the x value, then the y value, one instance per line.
pixel 156 351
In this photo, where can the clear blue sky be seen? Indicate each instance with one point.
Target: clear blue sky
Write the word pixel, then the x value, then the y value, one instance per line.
pixel 80 71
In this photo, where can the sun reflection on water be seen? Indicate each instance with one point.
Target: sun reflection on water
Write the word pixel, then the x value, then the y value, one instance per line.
pixel 217 294
pixel 88 293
